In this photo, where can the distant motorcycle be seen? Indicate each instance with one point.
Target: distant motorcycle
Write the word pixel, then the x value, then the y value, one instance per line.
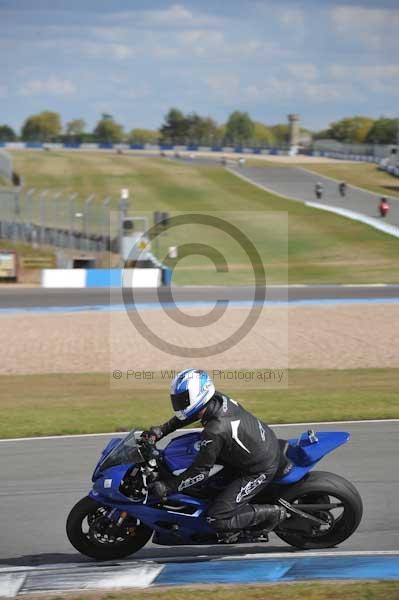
pixel 120 515
pixel 384 207
pixel 342 189
pixel 318 190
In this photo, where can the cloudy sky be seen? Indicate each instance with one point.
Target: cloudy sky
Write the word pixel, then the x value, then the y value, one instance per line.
pixel 137 58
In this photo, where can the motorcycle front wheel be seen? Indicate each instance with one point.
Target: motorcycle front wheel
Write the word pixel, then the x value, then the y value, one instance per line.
pixel 340 522
pixel 91 532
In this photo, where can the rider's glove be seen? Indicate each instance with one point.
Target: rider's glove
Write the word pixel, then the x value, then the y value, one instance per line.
pixel 154 434
pixel 160 489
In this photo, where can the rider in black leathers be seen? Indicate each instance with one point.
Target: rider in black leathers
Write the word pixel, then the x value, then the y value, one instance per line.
pixel 234 437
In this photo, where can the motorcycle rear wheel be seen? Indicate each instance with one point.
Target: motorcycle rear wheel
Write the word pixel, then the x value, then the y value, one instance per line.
pixel 80 528
pixel 319 488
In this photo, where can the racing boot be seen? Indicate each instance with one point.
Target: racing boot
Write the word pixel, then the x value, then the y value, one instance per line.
pixel 268 516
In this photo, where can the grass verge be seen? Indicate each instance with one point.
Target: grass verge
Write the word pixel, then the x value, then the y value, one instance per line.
pixel 376 590
pixel 321 247
pixel 38 405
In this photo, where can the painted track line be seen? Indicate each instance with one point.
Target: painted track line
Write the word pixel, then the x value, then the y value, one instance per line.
pixel 244 569
pixel 189 429
pixel 39 310
pixel 373 222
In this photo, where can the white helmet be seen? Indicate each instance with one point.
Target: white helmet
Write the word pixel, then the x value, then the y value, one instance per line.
pixel 191 389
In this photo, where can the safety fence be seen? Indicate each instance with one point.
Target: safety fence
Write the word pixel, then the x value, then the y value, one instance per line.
pixel 5 165
pixel 283 149
pixel 357 152
pixel 43 218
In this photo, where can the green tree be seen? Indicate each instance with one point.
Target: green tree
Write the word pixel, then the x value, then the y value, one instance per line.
pixel 239 129
pixel 219 136
pixel 263 135
pixel 74 129
pixel 201 130
pixel 321 135
pixel 143 136
pixel 43 127
pixel 175 128
pixel 107 130
pixel 351 130
pixel 7 134
pixel 281 133
pixel 383 131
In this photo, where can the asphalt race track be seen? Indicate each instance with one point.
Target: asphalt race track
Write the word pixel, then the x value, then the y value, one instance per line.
pixel 298 184
pixel 43 298
pixel 43 478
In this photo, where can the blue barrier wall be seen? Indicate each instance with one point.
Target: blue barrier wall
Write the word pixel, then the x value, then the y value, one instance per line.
pixel 103 278
pixel 283 569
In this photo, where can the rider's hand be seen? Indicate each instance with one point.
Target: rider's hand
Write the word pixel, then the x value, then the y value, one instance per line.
pixel 154 434
pixel 159 488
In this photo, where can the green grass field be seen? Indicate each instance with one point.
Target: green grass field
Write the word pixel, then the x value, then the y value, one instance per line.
pixel 363 175
pixel 36 405
pixel 321 248
pixel 365 590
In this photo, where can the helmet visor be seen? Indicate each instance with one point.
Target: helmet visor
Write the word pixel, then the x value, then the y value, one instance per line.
pixel 180 401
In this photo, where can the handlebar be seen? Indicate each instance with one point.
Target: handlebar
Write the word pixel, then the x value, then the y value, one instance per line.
pixel 148 449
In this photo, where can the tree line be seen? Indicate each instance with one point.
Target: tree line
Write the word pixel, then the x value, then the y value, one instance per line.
pixel 193 129
pixel 177 128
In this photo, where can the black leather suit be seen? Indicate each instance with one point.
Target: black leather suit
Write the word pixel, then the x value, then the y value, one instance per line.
pixel 236 438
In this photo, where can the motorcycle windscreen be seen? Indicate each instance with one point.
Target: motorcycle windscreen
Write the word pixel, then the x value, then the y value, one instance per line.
pixel 126 452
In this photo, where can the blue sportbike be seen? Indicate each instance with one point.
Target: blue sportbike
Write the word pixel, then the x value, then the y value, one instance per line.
pixel 120 514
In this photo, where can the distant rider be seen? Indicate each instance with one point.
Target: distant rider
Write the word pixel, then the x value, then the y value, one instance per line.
pixel 318 190
pixel 384 206
pixel 342 189
pixel 231 436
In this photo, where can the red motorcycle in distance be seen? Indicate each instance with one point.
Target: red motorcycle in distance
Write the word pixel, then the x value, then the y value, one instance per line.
pixel 384 207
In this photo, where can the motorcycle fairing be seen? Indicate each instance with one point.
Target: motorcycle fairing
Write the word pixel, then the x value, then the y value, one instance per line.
pixel 169 524
pixel 108 448
pixel 163 521
pixel 305 454
pixel 180 453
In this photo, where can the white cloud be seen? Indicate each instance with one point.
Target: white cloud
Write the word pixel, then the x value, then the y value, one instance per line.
pixel 120 51
pixel 345 18
pixel 364 73
pixel 291 17
pixel 374 27
pixel 279 89
pixel 324 92
pixel 304 71
pixel 138 92
pixel 379 79
pixel 3 90
pixel 224 85
pixel 175 16
pixel 52 86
